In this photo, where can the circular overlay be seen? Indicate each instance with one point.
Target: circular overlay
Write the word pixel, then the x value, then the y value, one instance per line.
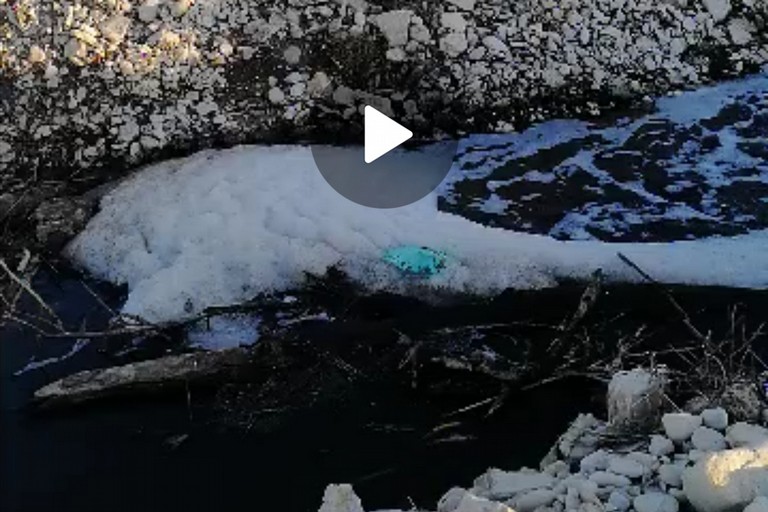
pixel 398 178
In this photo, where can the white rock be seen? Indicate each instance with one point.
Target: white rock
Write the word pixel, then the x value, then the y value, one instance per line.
pixel 318 84
pixel 496 483
pixel 619 501
pixel 672 474
pixel 719 9
pixel 627 467
pixel 661 445
pixel 292 54
pixel 454 44
pixel 36 55
pixel 608 479
pixel 746 434
pixel 472 503
pixel 759 504
pixel 340 498
pixel 679 426
pixel 595 461
pixel 450 500
pixel 655 502
pixel 396 54
pixel 588 491
pixel 634 396
pixel 148 11
pixel 466 5
pixel 727 480
pixel 394 26
pixel 495 45
pixel 115 27
pixel 453 21
pixel 276 95
pixel 740 31
pixel 708 439
pixel 716 418
pixel 531 500
pixel 646 459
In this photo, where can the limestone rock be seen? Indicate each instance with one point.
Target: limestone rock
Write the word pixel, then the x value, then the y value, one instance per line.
pixel 635 397
pixel 655 502
pixel 727 480
pixel 718 9
pixel 340 498
pixel 716 418
pixel 661 445
pixel 746 434
pixel 501 484
pixel 708 440
pixel 680 426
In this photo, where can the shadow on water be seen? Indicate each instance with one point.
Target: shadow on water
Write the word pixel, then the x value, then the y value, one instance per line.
pixel 174 453
pixel 121 456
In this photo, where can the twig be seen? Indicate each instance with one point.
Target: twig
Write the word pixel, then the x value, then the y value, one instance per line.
pixel 31 292
pixel 684 315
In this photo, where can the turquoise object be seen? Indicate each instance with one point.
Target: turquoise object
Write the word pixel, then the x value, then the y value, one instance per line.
pixel 415 260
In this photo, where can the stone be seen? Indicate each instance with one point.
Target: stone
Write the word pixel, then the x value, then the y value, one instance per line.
pixel 627 467
pixel 472 503
pixel 340 498
pixel 595 461
pixel 454 44
pixel 532 500
pixel 671 474
pixel 718 9
pixel 679 426
pixel 148 11
pixel 716 418
pixel 496 483
pixel 115 28
pixel 36 55
pixel 179 8
pixel 727 480
pixel 635 397
pixel 742 401
pixel 394 25
pixel 708 439
pixel 450 500
pixel 292 55
pixel 740 31
pixel 609 479
pixel 746 434
pixel 619 501
pixel 464 5
pixel 661 445
pixel 759 504
pixel 276 95
pixel 655 502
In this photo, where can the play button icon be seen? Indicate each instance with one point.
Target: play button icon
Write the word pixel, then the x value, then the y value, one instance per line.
pixel 382 134
pixel 391 169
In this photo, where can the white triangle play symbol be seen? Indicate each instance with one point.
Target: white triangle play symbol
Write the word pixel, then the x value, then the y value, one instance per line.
pixel 382 134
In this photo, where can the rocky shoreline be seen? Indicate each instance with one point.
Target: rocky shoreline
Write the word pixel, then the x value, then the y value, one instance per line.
pixel 703 461
pixel 101 85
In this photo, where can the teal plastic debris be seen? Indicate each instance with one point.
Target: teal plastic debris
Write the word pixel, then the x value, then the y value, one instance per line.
pixel 415 260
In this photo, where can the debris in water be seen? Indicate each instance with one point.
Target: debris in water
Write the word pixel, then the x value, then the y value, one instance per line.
pixel 421 261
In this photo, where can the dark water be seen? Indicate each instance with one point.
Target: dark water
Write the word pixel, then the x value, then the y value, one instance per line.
pixel 117 457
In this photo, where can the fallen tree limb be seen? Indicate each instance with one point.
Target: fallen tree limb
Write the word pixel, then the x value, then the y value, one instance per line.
pixel 171 372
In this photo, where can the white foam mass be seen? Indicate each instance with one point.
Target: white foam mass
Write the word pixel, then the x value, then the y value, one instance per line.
pixel 221 226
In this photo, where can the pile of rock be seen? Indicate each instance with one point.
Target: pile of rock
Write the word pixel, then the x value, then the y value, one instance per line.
pixel 699 460
pixel 88 83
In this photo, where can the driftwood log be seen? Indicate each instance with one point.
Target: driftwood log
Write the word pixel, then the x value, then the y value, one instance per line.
pixel 171 372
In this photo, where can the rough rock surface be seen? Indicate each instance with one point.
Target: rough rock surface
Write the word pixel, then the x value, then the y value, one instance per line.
pixel 94 83
pixel 727 480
